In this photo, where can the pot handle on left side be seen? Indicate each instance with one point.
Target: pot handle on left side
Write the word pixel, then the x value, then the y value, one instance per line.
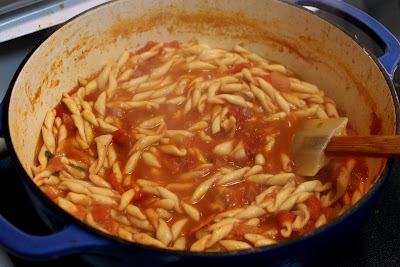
pixel 3 147
pixel 70 240
pixel 382 36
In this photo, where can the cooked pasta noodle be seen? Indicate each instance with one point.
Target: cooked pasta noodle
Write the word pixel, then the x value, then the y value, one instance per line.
pixel 187 147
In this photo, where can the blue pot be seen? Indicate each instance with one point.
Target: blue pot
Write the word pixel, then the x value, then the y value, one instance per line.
pixel 71 236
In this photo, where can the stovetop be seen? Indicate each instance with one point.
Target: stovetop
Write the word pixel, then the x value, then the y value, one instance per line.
pixel 375 243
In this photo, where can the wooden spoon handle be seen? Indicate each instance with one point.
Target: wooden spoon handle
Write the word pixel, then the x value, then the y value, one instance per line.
pixel 370 146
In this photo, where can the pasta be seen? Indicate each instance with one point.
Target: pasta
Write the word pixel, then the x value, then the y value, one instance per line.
pixel 187 147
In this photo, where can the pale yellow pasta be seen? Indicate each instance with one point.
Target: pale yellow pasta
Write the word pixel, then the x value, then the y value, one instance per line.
pixel 234 245
pixel 135 212
pixel 49 139
pixel 147 240
pixel 163 232
pixel 202 189
pixel 224 149
pixel 219 234
pixel 126 198
pixel 191 211
pixel 102 80
pixel 99 181
pixel 103 200
pixel 180 243
pixel 80 199
pixel 185 147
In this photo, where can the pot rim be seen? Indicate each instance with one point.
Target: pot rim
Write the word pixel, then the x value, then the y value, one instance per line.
pixel 119 241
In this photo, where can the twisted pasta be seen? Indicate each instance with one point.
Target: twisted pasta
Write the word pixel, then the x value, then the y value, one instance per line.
pixel 187 147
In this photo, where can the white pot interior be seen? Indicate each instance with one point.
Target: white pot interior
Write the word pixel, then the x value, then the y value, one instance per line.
pixel 311 47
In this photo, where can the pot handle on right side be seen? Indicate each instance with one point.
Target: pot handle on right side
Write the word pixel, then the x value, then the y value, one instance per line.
pixel 383 37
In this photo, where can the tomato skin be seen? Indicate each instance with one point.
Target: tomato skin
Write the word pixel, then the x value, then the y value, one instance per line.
pixel 204 224
pixel 114 183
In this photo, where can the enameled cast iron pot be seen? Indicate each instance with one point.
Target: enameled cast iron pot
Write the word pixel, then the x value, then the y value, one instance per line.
pixel 316 50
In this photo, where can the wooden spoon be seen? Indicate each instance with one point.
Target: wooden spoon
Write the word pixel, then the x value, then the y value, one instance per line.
pixel 379 146
pixel 320 139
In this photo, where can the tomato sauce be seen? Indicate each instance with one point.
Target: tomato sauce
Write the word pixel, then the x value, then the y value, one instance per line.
pixel 252 129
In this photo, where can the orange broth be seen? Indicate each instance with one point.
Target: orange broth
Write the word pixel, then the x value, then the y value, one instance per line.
pixel 251 127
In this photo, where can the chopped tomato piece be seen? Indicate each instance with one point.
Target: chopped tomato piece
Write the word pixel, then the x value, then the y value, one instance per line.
pixel 52 191
pixel 151 63
pixel 252 144
pixel 173 44
pixel 187 163
pixel 285 216
pixel 241 114
pixel 245 195
pixel 332 212
pixel 266 78
pixel 280 81
pixel 128 123
pixel 102 215
pixel 241 229
pixel 138 194
pixel 307 228
pixel 238 68
pixel 55 165
pixel 122 136
pixel 69 123
pixel 314 207
pixel 237 199
pixel 114 183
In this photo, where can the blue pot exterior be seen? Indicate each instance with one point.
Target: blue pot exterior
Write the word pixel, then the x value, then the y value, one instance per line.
pixel 106 250
pixel 300 251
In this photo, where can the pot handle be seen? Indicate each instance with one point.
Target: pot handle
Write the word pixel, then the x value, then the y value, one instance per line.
pixel 71 239
pixel 383 37
pixel 1 117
